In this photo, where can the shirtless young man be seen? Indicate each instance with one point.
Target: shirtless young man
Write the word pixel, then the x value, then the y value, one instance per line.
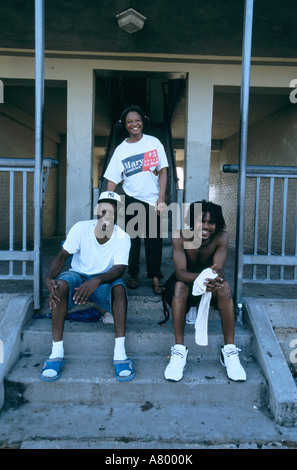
pixel 188 264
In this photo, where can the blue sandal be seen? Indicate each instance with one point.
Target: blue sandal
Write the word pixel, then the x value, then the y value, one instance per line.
pixel 127 364
pixel 55 364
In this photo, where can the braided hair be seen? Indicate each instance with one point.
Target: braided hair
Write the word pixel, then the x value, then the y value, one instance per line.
pixel 130 109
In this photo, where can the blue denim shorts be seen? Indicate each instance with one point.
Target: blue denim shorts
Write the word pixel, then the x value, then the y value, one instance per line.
pixel 101 296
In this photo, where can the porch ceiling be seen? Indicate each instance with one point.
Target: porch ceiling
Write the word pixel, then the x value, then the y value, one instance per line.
pixel 192 27
pixel 172 27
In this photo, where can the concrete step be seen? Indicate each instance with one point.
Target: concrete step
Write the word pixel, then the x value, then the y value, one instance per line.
pixel 143 336
pixel 145 426
pixel 90 380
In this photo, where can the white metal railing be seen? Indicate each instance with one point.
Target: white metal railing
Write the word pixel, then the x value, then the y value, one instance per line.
pixel 17 252
pixel 276 208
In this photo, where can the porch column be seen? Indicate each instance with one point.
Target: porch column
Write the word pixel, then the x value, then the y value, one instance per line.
pixel 198 136
pixel 79 173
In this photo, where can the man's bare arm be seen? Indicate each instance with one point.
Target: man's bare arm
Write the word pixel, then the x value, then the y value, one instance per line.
pixel 55 268
pixel 220 255
pixel 111 186
pixel 180 262
pixel 219 259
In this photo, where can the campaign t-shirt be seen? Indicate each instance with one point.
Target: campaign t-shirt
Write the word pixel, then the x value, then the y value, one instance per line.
pixel 134 164
pixel 89 257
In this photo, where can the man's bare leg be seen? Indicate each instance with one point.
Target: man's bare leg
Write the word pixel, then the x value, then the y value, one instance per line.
pixel 229 353
pixel 226 310
pixel 59 312
pixel 119 310
pixel 179 301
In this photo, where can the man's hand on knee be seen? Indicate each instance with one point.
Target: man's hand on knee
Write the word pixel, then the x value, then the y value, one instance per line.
pixel 83 292
pixel 52 287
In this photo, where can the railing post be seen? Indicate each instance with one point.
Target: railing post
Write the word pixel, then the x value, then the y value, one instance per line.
pixel 39 103
pixel 244 112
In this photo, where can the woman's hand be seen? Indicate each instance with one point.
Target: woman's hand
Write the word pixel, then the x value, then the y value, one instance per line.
pixel 160 205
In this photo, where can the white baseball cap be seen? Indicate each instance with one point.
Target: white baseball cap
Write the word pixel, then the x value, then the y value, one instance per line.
pixel 109 196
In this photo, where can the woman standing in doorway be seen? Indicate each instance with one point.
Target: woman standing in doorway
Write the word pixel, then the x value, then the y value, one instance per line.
pixel 141 163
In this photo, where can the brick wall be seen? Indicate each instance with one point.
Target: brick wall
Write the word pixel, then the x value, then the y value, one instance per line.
pixel 271 141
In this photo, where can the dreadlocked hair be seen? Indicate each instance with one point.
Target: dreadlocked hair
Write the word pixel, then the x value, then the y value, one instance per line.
pixel 216 214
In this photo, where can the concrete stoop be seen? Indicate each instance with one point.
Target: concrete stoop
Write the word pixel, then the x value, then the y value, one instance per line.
pixel 15 311
pixel 282 391
pixel 88 404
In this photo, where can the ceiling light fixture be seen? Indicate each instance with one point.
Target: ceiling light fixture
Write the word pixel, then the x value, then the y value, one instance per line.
pixel 130 20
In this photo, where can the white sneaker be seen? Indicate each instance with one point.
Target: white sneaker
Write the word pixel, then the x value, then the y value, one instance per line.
pixel 191 315
pixel 230 359
pixel 178 359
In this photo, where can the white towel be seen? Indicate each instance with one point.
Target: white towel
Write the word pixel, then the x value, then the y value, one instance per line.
pixel 202 317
